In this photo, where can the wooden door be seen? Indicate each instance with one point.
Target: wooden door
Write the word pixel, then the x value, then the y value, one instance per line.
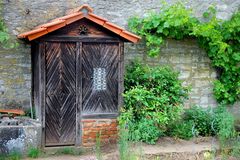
pixel 60 107
pixel 100 71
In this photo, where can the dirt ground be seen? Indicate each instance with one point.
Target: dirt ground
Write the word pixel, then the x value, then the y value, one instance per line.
pixel 165 149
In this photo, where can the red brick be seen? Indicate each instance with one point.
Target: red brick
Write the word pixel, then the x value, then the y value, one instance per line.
pixel 88 120
pixel 114 125
pixel 88 125
pixel 104 136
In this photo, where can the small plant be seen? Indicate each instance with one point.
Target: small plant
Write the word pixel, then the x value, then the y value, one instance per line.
pixel 31 113
pixel 98 147
pixel 5 39
pixel 124 145
pixel 33 152
pixel 144 130
pixel 66 150
pixel 182 129
pixel 14 155
pixel 202 119
pixel 69 151
pixel 208 155
pixel 226 126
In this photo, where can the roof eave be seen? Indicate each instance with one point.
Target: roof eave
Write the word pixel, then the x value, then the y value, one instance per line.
pixel 68 19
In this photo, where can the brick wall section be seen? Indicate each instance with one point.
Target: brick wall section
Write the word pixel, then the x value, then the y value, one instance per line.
pixel 107 128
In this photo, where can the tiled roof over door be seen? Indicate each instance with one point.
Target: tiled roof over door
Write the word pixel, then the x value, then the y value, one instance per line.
pixel 83 11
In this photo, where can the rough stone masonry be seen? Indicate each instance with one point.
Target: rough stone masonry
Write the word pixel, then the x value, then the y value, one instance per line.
pixel 185 56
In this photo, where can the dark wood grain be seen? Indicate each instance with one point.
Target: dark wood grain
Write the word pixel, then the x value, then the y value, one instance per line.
pixel 42 88
pixel 121 75
pixel 60 110
pixel 100 55
pixel 73 29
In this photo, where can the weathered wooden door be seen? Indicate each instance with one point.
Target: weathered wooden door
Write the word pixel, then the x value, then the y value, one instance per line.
pixel 100 71
pixel 60 112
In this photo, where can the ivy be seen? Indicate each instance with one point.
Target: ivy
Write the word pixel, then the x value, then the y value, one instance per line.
pixel 5 40
pixel 3 30
pixel 219 39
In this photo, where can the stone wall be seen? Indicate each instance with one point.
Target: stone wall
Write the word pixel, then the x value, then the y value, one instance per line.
pixel 105 128
pixel 23 15
pixel 19 137
pixel 190 61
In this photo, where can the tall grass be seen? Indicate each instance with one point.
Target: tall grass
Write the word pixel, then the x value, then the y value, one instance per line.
pixel 98 147
pixel 125 152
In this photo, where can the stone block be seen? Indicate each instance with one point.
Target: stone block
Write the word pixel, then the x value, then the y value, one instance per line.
pixel 20 137
pixel 184 74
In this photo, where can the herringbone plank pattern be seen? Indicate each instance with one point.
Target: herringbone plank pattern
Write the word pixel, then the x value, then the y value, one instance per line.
pixel 96 55
pixel 60 93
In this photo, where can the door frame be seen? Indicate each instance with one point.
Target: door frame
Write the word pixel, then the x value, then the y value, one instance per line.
pixel 39 79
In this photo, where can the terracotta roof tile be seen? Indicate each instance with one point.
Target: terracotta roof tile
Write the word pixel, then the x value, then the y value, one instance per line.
pixel 112 27
pixel 53 23
pixel 97 19
pixel 24 35
pixel 85 6
pixel 129 36
pixel 13 111
pixel 77 15
pixel 37 35
pixel 72 18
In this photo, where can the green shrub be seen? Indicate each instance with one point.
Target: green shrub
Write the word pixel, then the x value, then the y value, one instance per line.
pixel 144 130
pixel 14 155
pixel 33 152
pixel 225 123
pixel 219 38
pixel 202 118
pixel 211 121
pixel 153 98
pixel 183 130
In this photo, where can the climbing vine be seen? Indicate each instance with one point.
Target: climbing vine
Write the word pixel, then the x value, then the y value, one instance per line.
pixel 4 36
pixel 219 39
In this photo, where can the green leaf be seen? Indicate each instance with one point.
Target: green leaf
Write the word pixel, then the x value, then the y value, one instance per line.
pixel 236 56
pixel 165 32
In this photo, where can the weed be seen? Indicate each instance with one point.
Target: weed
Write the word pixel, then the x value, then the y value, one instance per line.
pixel 69 151
pixel 124 146
pixel 98 147
pixel 33 152
pixel 14 155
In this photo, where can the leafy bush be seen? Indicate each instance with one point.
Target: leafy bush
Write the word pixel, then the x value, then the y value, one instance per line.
pixel 153 98
pixel 205 122
pixel 144 130
pixel 33 152
pixel 225 124
pixel 211 121
pixel 182 129
pixel 219 39
pixel 202 118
